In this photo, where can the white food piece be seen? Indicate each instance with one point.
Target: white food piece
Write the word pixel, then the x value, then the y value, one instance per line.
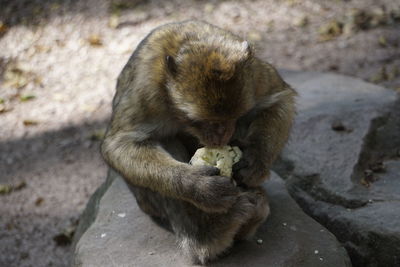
pixel 223 158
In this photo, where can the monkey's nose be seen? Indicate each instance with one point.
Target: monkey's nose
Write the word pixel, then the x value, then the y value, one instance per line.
pixel 223 133
pixel 220 129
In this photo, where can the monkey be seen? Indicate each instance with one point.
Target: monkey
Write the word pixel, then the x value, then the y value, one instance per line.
pixel 191 84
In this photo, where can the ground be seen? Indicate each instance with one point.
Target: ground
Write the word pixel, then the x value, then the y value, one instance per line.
pixel 59 61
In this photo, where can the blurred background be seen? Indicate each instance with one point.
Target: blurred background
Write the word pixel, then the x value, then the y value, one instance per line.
pixel 59 61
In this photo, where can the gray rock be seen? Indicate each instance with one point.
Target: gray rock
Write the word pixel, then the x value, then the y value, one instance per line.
pixel 342 163
pixel 115 232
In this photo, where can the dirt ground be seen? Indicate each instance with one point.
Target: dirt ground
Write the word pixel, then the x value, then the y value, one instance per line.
pixel 59 61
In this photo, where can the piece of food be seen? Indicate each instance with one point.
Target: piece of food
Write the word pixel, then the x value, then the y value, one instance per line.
pixel 223 158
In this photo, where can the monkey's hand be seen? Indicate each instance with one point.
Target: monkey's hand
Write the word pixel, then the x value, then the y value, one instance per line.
pixel 210 192
pixel 251 170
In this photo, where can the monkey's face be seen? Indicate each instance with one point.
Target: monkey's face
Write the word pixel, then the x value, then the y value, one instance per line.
pixel 208 86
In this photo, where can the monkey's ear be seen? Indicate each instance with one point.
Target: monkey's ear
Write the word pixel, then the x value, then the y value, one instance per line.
pixel 245 45
pixel 247 49
pixel 171 65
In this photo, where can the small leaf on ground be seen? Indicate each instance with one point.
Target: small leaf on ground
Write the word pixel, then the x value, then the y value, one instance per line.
pixel 301 21
pixel 19 185
pixel 3 28
pixel 330 30
pixel 113 22
pixel 95 40
pixel 117 6
pixel 15 77
pixel 29 122
pixel 97 135
pixel 18 77
pixel 4 108
pixel 8 188
pixel 39 201
pixel 359 19
pixel 24 98
pixel 5 189
pixel 65 237
pixel 382 41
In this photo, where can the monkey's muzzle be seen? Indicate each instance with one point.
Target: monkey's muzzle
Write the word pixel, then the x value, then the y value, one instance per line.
pixel 218 134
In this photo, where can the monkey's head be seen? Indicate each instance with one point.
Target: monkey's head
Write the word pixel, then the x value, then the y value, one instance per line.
pixel 208 83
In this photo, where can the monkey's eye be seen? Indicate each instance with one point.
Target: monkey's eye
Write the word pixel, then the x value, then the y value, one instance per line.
pixel 193 123
pixel 171 65
pixel 216 72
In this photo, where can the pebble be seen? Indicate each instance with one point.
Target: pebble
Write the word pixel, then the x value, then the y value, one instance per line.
pixel 122 215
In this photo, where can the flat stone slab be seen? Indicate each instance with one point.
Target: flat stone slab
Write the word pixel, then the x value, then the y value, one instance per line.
pixel 342 163
pixel 113 231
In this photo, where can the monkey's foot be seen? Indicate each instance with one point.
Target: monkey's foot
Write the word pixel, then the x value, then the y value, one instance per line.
pixel 247 213
pixel 261 213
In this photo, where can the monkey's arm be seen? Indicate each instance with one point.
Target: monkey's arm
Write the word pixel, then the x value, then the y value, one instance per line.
pixel 143 163
pixel 264 139
pixel 147 164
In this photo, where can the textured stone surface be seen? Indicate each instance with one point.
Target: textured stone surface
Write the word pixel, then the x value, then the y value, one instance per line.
pixel 114 232
pixel 344 131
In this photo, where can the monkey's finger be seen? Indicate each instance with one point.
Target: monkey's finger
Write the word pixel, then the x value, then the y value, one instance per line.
pixel 240 171
pixel 213 171
pixel 224 186
pixel 223 204
pixel 250 196
pixel 245 205
pixel 238 178
pixel 240 165
pixel 243 176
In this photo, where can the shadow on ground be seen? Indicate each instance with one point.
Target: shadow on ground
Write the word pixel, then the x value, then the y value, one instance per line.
pixel 60 169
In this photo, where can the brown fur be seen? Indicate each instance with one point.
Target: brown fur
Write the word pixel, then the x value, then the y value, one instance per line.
pixel 188 84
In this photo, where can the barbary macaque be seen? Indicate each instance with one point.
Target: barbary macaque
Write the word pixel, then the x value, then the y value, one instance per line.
pixel 189 85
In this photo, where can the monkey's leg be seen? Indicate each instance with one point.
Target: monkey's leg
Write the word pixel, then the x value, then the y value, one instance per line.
pixel 148 201
pixel 261 213
pixel 204 236
pixel 153 203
